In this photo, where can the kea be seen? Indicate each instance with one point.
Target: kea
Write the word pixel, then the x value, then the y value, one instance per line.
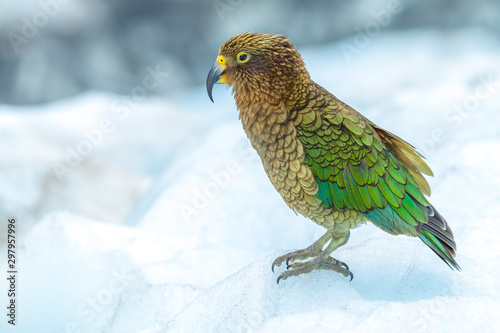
pixel 327 161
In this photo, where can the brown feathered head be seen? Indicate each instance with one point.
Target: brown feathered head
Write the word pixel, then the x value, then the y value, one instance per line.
pixel 254 63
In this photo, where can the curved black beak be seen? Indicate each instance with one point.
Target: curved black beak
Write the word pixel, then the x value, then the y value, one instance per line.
pixel 213 78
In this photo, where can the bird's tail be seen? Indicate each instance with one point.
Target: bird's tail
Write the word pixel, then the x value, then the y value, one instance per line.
pixel 437 235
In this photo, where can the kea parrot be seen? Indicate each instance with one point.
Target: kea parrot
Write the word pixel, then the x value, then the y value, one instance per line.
pixel 327 161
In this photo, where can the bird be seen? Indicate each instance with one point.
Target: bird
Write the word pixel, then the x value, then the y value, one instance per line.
pixel 328 162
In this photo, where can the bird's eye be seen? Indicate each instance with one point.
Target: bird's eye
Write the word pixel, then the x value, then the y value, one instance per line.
pixel 242 57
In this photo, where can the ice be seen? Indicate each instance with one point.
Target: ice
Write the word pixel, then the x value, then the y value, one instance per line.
pixel 202 223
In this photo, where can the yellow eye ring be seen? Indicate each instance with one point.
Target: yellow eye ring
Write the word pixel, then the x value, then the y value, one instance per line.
pixel 221 60
pixel 242 57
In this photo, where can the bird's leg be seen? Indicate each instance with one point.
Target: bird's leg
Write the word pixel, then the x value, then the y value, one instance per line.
pixel 311 251
pixel 321 261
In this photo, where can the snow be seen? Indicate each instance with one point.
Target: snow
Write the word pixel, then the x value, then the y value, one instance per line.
pixel 170 224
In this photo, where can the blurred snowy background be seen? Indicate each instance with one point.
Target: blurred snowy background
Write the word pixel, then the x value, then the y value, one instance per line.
pixel 141 207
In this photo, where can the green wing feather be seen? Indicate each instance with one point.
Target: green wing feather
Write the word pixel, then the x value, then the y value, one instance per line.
pixel 356 170
pixel 359 166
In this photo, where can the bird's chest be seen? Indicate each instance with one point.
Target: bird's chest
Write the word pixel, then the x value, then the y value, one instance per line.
pixel 274 138
pixel 282 156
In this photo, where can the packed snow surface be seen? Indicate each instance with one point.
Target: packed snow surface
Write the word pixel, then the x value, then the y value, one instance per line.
pixel 166 221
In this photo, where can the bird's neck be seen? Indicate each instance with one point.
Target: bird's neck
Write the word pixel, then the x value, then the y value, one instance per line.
pixel 273 91
pixel 267 114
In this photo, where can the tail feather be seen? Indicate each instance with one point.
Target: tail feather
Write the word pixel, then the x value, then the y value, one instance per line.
pixel 437 235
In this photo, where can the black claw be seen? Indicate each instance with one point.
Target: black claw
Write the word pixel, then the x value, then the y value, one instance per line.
pixel 345 266
pixel 272 266
pixel 279 278
pixel 351 275
pixel 287 261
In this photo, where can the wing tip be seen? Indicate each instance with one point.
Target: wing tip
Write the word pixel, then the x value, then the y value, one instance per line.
pixel 438 236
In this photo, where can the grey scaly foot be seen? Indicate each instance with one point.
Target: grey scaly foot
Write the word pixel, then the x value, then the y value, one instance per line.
pixel 317 263
pixel 322 258
pixel 309 252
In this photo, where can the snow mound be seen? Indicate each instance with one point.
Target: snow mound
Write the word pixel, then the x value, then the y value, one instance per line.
pixel 109 278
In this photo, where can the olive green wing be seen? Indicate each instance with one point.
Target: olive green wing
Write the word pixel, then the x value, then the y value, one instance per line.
pixel 358 166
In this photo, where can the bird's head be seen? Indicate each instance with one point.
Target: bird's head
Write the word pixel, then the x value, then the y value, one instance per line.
pixel 251 62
